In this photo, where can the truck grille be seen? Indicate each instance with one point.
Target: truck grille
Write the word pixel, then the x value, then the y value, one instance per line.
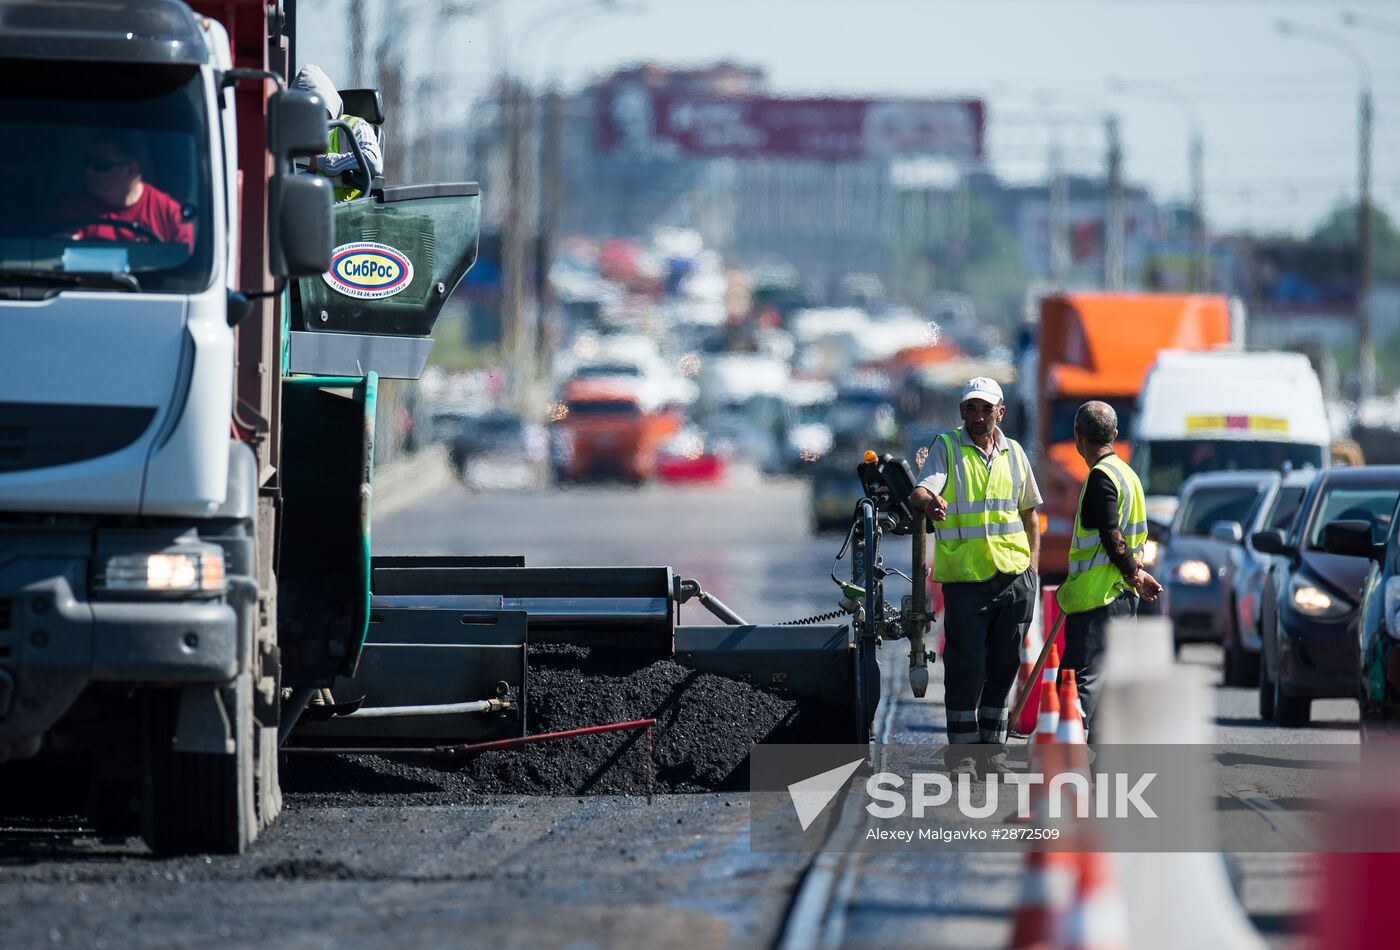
pixel 42 435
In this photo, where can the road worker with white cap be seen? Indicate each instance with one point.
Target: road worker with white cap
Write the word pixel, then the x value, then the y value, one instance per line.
pixel 977 487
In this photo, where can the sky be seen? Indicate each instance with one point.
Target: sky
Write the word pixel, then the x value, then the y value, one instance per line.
pixel 1278 114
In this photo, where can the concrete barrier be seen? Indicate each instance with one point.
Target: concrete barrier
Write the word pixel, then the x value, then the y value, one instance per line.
pixel 1173 900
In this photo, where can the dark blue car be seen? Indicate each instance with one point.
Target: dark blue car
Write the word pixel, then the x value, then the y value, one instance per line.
pixel 1312 595
pixel 1378 689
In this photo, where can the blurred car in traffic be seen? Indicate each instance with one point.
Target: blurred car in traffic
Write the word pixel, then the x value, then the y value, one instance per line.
pixel 1276 510
pixel 1196 560
pixel 1310 645
pixel 835 488
pixel 605 429
pixel 473 435
pixel 685 458
pixel 498 451
pixel 1378 688
pixel 806 427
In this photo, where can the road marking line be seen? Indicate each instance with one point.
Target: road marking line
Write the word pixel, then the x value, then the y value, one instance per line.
pixel 1278 817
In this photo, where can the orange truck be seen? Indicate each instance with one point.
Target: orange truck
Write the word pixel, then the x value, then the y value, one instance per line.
pixel 607 430
pixel 1100 346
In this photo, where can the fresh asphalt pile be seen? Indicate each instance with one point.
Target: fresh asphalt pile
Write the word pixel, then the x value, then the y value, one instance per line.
pixel 705 725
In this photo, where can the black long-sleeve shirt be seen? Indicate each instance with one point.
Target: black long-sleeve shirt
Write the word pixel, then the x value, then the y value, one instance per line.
pixel 1100 510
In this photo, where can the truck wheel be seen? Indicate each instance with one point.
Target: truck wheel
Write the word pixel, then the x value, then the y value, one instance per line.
pixel 197 802
pixel 266 779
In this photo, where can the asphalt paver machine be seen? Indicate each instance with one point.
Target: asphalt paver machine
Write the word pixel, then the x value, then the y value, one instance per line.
pixel 187 429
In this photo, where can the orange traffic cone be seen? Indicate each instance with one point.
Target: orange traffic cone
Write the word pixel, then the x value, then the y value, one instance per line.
pixel 1098 919
pixel 1045 752
pixel 1047 893
pixel 1029 652
pixel 1049 878
pixel 1050 675
pixel 1048 724
pixel 1071 726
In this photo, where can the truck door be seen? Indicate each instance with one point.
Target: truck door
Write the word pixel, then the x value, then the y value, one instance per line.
pixel 400 252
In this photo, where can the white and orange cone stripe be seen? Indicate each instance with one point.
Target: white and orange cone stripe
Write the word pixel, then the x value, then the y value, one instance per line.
pixel 1048 722
pixel 1046 899
pixel 1098 919
pixel 1071 726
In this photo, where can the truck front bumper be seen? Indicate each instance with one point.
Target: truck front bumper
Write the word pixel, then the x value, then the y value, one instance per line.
pixel 59 641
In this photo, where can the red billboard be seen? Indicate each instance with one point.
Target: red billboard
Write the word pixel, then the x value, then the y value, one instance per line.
pixel 637 119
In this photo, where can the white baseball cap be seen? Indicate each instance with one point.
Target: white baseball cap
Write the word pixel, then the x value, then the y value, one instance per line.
pixel 982 388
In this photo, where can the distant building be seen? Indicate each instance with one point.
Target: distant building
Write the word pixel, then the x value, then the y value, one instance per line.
pixel 831 186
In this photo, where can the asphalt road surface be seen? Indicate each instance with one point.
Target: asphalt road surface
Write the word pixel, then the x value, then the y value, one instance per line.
pixel 578 872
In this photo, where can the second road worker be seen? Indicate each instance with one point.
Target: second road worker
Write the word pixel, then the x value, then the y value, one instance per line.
pixel 340 159
pixel 1110 528
pixel 977 487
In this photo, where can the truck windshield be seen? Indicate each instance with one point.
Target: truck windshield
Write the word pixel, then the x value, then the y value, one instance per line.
pixel 1165 463
pixel 1206 506
pixel 1062 418
pixel 624 408
pixel 108 174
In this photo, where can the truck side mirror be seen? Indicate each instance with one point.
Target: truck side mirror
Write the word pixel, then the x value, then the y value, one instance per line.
pixel 1349 538
pixel 302 238
pixel 296 124
pixel 1228 531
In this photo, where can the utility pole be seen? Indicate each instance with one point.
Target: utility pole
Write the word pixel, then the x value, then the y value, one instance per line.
pixel 551 196
pixel 357 43
pixel 1058 218
pixel 1367 343
pixel 1200 252
pixel 515 248
pixel 1198 274
pixel 1114 215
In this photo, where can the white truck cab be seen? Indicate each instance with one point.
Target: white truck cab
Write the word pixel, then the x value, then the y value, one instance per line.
pixel 1225 410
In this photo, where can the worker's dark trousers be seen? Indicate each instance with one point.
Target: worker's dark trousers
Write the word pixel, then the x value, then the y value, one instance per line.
pixel 984 623
pixel 1086 636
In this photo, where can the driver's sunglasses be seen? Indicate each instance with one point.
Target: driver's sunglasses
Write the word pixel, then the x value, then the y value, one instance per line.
pixel 99 164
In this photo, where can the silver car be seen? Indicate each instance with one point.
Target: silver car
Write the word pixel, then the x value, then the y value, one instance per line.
pixel 1197 563
pixel 1242 638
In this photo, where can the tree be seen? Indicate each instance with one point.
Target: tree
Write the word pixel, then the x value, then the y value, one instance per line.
pixel 1338 229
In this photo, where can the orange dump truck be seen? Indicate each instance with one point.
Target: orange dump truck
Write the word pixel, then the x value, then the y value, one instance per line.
pixel 608 430
pixel 1100 346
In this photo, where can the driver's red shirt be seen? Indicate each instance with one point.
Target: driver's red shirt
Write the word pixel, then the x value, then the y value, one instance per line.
pixel 156 211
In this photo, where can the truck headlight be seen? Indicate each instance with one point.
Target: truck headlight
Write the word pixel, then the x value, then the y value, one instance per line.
pixel 1314 601
pixel 1149 554
pixel 164 572
pixel 1193 572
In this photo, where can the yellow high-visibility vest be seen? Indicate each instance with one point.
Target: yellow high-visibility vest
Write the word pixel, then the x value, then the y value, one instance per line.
pixel 983 533
pixel 1093 580
pixel 344 192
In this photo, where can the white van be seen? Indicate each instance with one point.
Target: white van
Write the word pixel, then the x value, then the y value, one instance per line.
pixel 1225 410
